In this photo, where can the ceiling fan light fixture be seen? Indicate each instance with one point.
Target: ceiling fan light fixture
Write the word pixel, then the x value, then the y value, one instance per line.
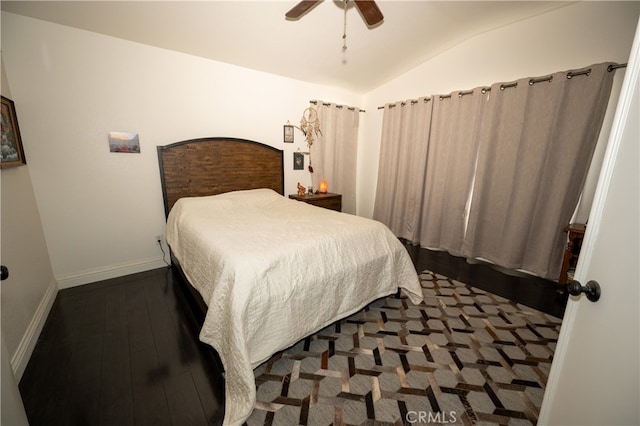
pixel 368 9
pixel 344 30
pixel 370 12
pixel 301 8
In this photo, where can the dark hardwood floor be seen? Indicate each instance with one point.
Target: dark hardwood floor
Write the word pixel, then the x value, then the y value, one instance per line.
pixel 126 351
pixel 528 290
pixel 122 352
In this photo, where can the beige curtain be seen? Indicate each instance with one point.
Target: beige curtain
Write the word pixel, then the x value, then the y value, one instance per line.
pixel 450 168
pixel 402 165
pixel 493 173
pixel 334 152
pixel 535 148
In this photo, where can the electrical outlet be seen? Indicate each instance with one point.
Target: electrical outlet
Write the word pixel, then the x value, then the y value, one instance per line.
pixel 158 239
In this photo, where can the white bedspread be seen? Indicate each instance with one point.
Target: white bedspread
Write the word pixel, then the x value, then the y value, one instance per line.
pixel 274 270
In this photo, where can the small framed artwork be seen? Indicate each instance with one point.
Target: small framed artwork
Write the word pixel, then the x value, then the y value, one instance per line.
pixel 298 161
pixel 11 152
pixel 124 142
pixel 288 133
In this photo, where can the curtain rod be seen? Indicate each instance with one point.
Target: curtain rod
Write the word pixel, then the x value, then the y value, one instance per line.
pixel 337 106
pixel 532 81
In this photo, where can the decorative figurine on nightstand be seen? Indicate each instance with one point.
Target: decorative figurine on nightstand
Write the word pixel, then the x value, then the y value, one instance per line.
pixel 301 190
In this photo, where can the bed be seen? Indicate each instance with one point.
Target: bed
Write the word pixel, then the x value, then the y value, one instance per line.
pixel 268 270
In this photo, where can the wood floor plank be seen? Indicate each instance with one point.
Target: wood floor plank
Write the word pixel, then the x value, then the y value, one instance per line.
pixel 140 330
pixel 116 397
pixel 209 384
pixel 171 345
pixel 184 402
pixel 150 404
pixel 116 309
pixel 84 405
pixel 86 366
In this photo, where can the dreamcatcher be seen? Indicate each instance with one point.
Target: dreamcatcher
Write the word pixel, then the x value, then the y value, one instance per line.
pixel 310 125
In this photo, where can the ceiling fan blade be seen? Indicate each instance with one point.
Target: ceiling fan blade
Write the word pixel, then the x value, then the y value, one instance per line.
pixel 301 8
pixel 370 11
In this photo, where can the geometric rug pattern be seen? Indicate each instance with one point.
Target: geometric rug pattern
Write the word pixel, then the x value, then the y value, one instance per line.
pixel 462 356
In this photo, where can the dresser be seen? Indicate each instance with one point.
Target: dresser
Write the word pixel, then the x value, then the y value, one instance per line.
pixel 575 235
pixel 328 201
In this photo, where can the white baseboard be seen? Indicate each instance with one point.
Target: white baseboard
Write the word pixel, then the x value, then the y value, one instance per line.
pixel 20 358
pixel 108 272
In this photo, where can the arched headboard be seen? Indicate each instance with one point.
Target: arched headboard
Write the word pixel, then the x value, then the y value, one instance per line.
pixel 210 166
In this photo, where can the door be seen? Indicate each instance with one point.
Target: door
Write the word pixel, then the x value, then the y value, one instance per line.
pixel 594 378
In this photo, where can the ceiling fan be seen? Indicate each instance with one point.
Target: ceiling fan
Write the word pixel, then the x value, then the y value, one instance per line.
pixel 368 9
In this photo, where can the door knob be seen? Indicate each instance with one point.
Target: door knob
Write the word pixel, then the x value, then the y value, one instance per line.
pixel 592 289
pixel 4 272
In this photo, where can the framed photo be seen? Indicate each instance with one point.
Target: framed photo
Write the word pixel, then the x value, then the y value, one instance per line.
pixel 124 142
pixel 298 161
pixel 11 152
pixel 288 133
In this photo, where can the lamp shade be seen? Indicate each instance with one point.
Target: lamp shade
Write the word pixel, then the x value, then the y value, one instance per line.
pixel 323 187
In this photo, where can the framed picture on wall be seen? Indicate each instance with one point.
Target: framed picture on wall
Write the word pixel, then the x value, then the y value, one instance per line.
pixel 124 142
pixel 288 133
pixel 11 152
pixel 298 161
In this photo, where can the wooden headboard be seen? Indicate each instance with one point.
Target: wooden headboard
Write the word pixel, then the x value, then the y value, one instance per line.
pixel 210 166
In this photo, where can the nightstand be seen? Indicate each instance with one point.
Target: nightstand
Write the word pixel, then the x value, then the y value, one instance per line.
pixel 328 201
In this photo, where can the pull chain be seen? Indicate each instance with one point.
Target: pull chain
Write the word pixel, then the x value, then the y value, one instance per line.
pixel 344 32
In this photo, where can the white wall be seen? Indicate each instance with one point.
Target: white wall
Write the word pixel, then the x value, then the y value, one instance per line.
pixel 571 37
pixel 100 210
pixel 27 295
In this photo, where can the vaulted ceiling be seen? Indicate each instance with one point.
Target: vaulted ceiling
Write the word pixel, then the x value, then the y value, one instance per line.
pixel 256 34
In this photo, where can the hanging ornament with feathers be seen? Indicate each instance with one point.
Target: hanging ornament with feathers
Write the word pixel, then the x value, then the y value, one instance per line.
pixel 310 125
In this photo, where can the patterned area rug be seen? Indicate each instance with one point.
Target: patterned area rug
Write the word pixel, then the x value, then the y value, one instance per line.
pixel 463 356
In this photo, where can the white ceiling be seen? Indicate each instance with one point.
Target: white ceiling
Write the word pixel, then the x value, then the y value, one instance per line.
pixel 255 34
